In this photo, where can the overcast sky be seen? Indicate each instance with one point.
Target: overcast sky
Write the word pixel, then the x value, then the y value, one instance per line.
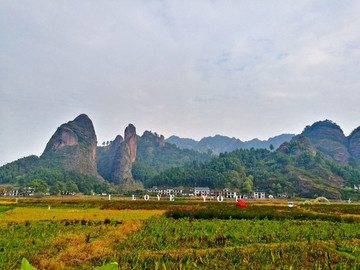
pixel 244 69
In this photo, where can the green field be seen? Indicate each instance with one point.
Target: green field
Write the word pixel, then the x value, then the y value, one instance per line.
pixel 84 234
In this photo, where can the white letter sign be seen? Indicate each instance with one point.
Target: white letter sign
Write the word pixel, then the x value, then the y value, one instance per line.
pixel 220 198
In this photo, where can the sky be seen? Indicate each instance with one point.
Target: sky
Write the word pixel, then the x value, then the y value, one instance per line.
pixel 240 68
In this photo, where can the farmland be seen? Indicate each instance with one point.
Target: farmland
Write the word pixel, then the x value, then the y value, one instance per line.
pixel 84 233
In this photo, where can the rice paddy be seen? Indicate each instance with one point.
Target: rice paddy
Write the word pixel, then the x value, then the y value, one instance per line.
pixel 84 234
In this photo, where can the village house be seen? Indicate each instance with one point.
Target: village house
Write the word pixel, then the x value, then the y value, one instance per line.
pixel 16 192
pixel 227 193
pixel 201 191
pixel 178 190
pixel 188 192
pixel 165 191
pixel 215 193
pixel 259 195
pixel 70 193
pixel 154 189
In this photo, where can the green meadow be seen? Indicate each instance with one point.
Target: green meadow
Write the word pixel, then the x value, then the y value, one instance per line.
pixel 85 234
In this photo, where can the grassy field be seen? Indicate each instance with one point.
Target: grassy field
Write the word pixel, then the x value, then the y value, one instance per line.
pixel 85 233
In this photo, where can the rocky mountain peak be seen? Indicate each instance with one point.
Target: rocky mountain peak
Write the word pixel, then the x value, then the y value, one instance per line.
pixel 125 155
pixel 84 121
pixel 329 138
pixel 130 141
pixel 130 131
pixel 354 143
pixel 76 143
pixel 326 129
pixel 154 138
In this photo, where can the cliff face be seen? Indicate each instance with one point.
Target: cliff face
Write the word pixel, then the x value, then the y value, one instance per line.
pixel 125 155
pixel 354 143
pixel 130 142
pixel 115 161
pixel 329 139
pixel 75 144
pixel 105 157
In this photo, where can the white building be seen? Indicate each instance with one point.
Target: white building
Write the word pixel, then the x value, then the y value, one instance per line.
pixel 259 195
pixel 227 193
pixel 165 191
pixel 178 190
pixel 201 191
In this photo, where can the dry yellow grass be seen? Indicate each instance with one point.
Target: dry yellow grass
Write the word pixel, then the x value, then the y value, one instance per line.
pixel 38 214
pixel 69 250
pixel 3 201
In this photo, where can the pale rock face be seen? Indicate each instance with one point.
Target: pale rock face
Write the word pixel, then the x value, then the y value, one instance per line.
pixel 76 142
pixel 130 140
pixel 125 155
pixel 162 141
pixel 66 138
pixel 122 154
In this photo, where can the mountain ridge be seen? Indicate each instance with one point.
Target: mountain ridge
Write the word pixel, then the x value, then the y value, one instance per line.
pixel 305 164
pixel 219 144
pixel 329 138
pixel 75 143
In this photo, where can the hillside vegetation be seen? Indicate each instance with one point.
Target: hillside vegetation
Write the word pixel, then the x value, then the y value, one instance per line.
pixel 321 161
pixel 293 169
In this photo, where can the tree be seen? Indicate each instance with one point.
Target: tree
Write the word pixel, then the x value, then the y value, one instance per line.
pixel 57 187
pixel 247 185
pixel 271 147
pixel 9 188
pixel 72 187
pixel 39 185
pixel 54 190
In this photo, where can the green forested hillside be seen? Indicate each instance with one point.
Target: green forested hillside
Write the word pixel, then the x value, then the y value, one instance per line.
pixel 292 169
pixel 151 158
pixel 167 156
pixel 22 172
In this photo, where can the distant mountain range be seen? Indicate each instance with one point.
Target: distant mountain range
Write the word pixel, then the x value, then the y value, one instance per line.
pixel 220 144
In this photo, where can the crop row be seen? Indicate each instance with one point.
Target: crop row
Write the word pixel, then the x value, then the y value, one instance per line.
pixel 281 256
pixel 168 233
pixel 230 211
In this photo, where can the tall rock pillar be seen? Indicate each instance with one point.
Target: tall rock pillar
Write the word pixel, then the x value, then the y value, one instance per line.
pixel 124 157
